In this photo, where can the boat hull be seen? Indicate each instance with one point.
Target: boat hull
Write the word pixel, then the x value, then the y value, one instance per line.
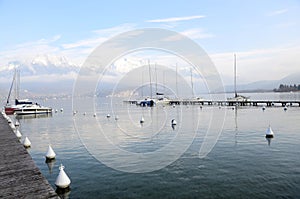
pixel 31 111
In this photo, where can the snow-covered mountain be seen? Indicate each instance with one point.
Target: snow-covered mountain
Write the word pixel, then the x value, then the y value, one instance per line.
pixel 41 75
pixel 39 66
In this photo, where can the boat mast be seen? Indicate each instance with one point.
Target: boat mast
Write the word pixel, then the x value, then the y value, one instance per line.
pixel 11 86
pixel 18 84
pixel 150 78
pixel 192 83
pixel 155 79
pixel 235 93
pixel 176 81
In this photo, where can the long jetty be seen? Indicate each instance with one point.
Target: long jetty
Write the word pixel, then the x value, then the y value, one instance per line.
pixel 19 176
pixel 231 103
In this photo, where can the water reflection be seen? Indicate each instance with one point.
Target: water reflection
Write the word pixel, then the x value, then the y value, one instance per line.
pixel 50 164
pixel 33 116
pixel 173 126
pixel 63 193
pixel 269 141
pixel 236 125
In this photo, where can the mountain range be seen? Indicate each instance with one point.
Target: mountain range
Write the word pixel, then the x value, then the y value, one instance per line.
pixel 50 74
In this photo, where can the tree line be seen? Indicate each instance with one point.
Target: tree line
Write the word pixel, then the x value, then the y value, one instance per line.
pixel 287 88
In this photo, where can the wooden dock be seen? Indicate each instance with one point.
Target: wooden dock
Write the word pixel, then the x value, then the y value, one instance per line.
pixel 19 176
pixel 231 103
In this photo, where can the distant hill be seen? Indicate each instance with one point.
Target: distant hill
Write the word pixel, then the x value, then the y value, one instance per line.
pixel 268 85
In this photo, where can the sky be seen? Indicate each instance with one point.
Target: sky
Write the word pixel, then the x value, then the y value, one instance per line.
pixel 264 34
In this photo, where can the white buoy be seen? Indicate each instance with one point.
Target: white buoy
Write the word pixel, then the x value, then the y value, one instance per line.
pixel 84 113
pixel 285 108
pixel 27 143
pixel 17 123
pixel 9 121
pixel 61 110
pixel 95 114
pixel 50 153
pixel 142 120
pixel 116 117
pixel 18 134
pixel 12 126
pixel 108 115
pixel 62 180
pixel 269 133
pixel 263 108
pixel 56 110
pixel 173 105
pixel 173 122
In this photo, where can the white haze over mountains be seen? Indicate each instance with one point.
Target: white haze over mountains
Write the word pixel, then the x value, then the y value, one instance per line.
pixel 49 74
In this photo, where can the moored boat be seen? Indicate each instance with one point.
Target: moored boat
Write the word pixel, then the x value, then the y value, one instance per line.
pixel 33 109
pixel 24 106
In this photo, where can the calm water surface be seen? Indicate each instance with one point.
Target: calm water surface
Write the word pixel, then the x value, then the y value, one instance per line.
pixel 243 164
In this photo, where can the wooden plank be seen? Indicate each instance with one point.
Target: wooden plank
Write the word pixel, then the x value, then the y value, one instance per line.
pixel 19 176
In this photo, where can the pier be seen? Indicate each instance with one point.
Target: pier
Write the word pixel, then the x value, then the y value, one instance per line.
pixel 19 176
pixel 268 103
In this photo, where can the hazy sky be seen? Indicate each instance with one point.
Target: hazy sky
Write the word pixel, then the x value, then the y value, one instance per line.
pixel 263 33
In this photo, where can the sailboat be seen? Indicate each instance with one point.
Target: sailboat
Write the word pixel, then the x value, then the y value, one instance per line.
pixel 24 106
pixel 237 98
pixel 150 102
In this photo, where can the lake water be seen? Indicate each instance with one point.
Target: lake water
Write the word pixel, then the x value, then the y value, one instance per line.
pixel 242 164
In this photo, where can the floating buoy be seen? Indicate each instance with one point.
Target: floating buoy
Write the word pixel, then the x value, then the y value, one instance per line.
pixel 26 143
pixel 50 155
pixel 201 107
pixel 173 105
pixel 17 123
pixel 12 126
pixel 9 120
pixel 116 117
pixel 173 122
pixel 285 108
pixel 56 110
pixel 62 180
pixel 95 114
pixel 84 113
pixel 108 115
pixel 263 108
pixel 269 133
pixel 18 134
pixel 61 110
pixel 142 120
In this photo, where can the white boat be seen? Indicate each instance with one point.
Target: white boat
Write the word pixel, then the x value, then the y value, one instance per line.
pixel 237 98
pixel 22 107
pixel 163 100
pixel 33 109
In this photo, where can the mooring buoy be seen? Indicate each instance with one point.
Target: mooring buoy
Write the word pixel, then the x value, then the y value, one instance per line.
pixel 50 155
pixel 173 122
pixel 269 133
pixel 27 143
pixel 62 181
pixel 18 133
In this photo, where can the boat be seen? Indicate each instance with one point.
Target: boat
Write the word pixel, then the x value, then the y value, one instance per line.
pixel 237 98
pixel 147 102
pixel 22 106
pixel 33 109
